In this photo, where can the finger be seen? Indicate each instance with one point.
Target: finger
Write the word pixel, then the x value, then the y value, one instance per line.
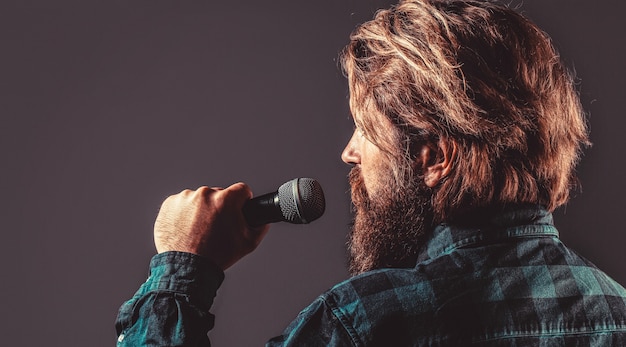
pixel 206 191
pixel 255 237
pixel 213 195
pixel 184 192
pixel 238 193
pixel 260 231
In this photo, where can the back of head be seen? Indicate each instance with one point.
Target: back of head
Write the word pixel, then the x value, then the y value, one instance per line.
pixel 481 77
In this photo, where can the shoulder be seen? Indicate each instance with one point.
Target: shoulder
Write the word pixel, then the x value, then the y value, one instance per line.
pixel 383 285
pixel 386 303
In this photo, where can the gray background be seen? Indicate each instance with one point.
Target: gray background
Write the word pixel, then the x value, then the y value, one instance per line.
pixel 107 107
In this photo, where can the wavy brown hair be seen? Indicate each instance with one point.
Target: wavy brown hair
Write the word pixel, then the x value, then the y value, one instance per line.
pixel 481 77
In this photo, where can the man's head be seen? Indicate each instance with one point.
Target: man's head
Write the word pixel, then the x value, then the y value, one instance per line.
pixel 467 103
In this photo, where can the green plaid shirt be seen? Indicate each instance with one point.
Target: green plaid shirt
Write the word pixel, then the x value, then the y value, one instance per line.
pixel 510 282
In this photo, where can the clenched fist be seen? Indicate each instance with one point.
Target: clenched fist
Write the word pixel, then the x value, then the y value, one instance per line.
pixel 208 222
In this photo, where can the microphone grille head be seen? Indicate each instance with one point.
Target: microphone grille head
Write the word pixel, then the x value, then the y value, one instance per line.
pixel 301 200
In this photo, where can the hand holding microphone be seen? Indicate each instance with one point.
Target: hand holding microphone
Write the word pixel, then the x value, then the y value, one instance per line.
pixel 224 225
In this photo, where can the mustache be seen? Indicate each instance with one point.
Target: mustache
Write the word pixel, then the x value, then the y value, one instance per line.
pixel 355 178
pixel 358 192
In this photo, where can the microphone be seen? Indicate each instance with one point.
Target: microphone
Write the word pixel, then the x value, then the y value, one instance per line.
pixel 299 201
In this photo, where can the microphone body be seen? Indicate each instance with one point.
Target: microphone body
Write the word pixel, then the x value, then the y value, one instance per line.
pixel 299 201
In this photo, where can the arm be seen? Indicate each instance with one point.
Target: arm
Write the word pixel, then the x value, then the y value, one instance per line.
pixel 172 307
pixel 198 234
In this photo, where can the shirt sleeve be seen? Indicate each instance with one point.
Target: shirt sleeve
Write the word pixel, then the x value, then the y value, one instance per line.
pixel 172 307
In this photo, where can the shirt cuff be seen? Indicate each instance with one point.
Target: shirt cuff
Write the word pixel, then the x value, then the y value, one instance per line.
pixel 184 273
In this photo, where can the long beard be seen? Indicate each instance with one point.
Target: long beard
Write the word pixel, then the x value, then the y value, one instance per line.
pixel 388 229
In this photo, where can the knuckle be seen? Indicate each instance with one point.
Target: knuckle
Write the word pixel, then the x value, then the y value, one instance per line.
pixel 240 191
pixel 244 187
pixel 241 185
pixel 204 193
pixel 203 190
pixel 217 200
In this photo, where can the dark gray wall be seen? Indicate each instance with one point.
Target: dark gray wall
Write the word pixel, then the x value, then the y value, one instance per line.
pixel 107 107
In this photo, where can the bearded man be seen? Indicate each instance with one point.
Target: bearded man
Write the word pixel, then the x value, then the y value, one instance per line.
pixel 467 131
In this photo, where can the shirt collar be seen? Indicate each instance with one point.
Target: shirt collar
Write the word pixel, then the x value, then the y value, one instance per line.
pixel 527 221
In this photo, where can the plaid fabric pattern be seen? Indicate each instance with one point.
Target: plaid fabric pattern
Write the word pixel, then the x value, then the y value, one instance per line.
pixel 172 307
pixel 510 282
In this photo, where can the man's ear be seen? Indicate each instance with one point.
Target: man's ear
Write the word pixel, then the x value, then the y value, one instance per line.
pixel 436 160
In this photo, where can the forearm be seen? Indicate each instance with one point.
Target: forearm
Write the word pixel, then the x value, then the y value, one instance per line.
pixel 172 307
pixel 198 234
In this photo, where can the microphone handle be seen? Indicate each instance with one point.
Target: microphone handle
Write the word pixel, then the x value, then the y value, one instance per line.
pixel 263 209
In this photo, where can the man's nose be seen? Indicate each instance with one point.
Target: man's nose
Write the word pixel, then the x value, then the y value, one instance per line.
pixel 350 154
